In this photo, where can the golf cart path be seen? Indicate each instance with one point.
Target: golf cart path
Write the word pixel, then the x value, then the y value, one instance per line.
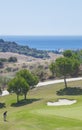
pixel 5 92
pixel 57 81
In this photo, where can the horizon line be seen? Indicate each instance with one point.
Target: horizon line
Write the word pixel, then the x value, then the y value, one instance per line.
pixel 41 35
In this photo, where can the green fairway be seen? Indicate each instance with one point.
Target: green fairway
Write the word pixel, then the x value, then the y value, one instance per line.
pixel 34 114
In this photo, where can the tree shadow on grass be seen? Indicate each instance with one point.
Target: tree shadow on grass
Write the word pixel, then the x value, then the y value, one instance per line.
pixel 2 105
pixel 24 102
pixel 70 91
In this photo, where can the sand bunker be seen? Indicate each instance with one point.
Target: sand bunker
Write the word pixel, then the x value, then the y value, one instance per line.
pixel 61 102
pixel 5 92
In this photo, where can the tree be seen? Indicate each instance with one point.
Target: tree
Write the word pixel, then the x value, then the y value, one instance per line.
pixel 75 67
pixel 19 86
pixel 72 54
pixel 12 59
pixel 25 89
pixel 75 59
pixel 31 79
pixel 68 53
pixel 63 67
pixel 0 91
pixel 1 64
pixel 3 82
pixel 52 68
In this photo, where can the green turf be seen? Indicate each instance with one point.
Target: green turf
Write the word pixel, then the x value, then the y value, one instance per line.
pixel 34 114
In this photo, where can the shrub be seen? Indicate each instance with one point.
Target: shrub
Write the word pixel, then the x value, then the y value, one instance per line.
pixel 12 59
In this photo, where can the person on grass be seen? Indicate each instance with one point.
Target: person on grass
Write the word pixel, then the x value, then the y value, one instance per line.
pixel 5 115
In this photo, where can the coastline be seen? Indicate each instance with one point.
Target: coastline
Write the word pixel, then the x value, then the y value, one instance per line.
pixel 46 42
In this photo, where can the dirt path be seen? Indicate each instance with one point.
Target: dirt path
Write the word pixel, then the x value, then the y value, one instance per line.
pixel 57 81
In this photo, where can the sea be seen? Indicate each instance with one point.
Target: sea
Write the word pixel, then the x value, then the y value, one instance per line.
pixel 47 42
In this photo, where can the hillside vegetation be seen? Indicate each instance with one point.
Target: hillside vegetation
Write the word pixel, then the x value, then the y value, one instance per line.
pixel 7 46
pixel 14 57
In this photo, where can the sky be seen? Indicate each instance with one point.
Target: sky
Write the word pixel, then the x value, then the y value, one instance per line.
pixel 40 17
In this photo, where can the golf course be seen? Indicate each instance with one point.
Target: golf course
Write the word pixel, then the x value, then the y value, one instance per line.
pixel 34 114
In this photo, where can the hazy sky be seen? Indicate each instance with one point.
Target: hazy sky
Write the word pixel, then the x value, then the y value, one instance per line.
pixel 40 17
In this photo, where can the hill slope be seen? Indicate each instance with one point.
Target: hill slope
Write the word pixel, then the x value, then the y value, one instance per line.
pixel 6 46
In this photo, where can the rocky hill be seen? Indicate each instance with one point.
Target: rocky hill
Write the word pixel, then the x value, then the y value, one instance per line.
pixel 7 46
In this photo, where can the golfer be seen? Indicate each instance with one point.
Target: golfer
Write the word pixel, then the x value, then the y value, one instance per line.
pixel 5 115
